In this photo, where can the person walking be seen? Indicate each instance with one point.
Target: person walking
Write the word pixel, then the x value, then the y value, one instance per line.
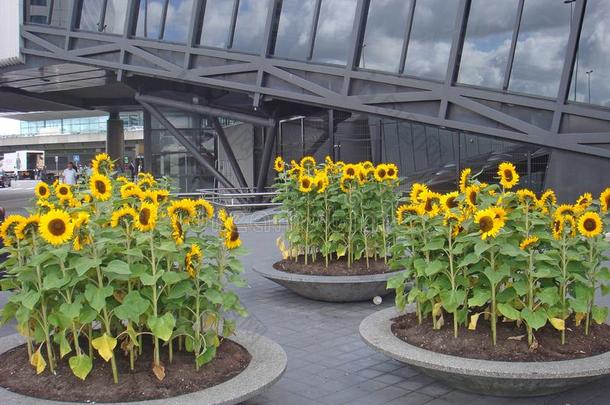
pixel 69 174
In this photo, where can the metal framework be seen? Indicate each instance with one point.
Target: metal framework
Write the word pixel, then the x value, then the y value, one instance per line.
pixel 345 88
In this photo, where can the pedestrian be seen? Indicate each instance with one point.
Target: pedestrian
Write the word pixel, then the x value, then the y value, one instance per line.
pixel 69 174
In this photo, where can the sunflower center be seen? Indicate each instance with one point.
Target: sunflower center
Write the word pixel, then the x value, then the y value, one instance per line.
pixel 472 197
pixel 508 175
pixel 428 206
pixel 306 183
pixel 382 173
pixel 451 203
pixel 391 172
pixel 486 224
pixel 42 191
pixel 57 227
pixel 607 200
pixel 63 191
pixel 144 216
pixel 100 186
pixel 234 235
pixel 590 224
pixel 557 225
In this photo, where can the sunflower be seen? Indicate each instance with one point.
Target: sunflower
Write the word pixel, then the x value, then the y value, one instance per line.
pixel 571 221
pixel 86 198
pixel 590 224
pixel 321 181
pixel 557 226
pixel 279 164
pixel 411 209
pixel 63 191
pixel 124 216
pixel 56 227
pixel 204 207
pixel 178 232
pixel 500 213
pixel 45 206
pixel 548 198
pixel 345 184
pixel 583 202
pixel 147 217
pixel 508 175
pixel 146 183
pixel 193 258
pixel 308 162
pixel 449 200
pixel 81 236
pixel 391 171
pixel 329 161
pixel 416 192
pixel 183 209
pixel 28 227
pixel 604 200
pixel 102 164
pixel 295 170
pixel 472 193
pixel 430 203
pixel 161 196
pixel 381 172
pixel 565 209
pixel 9 227
pixel 42 190
pixel 350 171
pixel 149 196
pixel 527 197
pixel 130 190
pixel 464 179
pixel 122 179
pixel 230 234
pixel 100 186
pixel 528 242
pixel 487 222
pixel 305 183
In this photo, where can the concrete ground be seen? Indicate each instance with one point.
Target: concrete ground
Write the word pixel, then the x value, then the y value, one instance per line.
pixel 327 361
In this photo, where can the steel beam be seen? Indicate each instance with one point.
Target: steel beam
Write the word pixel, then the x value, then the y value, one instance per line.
pixel 222 137
pixel 233 23
pixel 188 145
pixel 406 38
pixel 206 110
pixel 261 180
pixel 313 29
pixel 513 45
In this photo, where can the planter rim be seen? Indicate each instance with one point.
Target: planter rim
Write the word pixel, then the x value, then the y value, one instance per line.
pixel 376 331
pixel 267 365
pixel 271 272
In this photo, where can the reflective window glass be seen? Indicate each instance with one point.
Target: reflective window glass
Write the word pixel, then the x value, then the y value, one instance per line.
pixel 591 74
pixel 334 31
pixel 541 47
pixel 431 38
pixel 384 35
pixel 294 29
pixel 59 18
pixel 114 21
pixel 38 19
pixel 149 19
pixel 216 23
pixel 487 42
pixel 250 25
pixel 177 20
pixel 90 14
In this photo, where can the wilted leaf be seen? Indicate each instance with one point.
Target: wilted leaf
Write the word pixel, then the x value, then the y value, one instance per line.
pixel 104 345
pixel 474 318
pixel 37 361
pixel 557 323
pixel 159 371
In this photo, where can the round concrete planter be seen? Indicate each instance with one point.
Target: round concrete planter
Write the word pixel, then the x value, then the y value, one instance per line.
pixel 514 379
pixel 329 288
pixel 266 367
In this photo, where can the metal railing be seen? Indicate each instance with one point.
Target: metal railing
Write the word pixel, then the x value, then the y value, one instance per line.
pixel 235 198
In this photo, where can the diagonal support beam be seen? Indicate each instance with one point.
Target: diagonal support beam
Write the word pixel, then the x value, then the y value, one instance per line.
pixel 266 159
pixel 222 137
pixel 188 145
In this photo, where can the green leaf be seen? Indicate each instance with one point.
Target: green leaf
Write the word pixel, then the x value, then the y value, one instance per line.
pixel 82 264
pixel 396 281
pixel 535 319
pixel 149 279
pixel 29 299
pixel 469 259
pixel 451 300
pixel 434 267
pixel 97 296
pixel 494 277
pixel 214 296
pixel 599 314
pixel 52 281
pixel 71 310
pixel 481 247
pixel 579 305
pixel 117 267
pixel 480 297
pixel 64 345
pixel 207 356
pixel 162 327
pixel 172 277
pixel 132 307
pixel 81 365
pixel 509 311
pixel 549 295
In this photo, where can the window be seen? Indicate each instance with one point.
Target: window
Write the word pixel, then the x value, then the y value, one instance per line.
pixel 149 19
pixel 591 74
pixel 294 29
pixel 177 20
pixel 216 23
pixel 38 19
pixel 38 3
pixel 59 18
pixel 431 38
pixel 384 35
pixel 250 25
pixel 541 47
pixel 111 21
pixel 487 42
pixel 333 33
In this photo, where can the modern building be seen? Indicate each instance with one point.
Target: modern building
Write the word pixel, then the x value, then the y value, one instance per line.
pixel 433 85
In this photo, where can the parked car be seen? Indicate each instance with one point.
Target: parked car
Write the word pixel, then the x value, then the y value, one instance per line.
pixel 5 180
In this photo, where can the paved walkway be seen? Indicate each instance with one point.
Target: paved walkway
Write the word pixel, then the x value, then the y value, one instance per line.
pixel 329 364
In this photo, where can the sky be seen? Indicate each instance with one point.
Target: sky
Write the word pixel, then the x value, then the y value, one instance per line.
pixel 8 126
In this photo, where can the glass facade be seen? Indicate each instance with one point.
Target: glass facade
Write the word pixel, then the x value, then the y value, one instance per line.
pixel 164 19
pixel 250 25
pixel 93 16
pixel 216 23
pixel 333 31
pixel 132 120
pixel 591 75
pixel 294 29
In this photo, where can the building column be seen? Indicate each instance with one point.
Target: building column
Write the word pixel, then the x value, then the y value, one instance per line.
pixel 115 138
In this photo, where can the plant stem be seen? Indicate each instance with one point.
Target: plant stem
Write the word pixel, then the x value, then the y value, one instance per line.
pixel 363 229
pixel 452 272
pixel 326 220
pixel 494 316
pixel 383 235
pixel 349 229
pixel 591 274
pixel 153 263
pixel 43 308
pixel 563 285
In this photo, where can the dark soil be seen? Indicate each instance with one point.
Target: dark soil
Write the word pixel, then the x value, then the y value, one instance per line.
pixel 476 344
pixel 335 267
pixel 17 375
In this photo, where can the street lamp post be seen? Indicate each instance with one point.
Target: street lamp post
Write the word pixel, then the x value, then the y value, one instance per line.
pixel 588 72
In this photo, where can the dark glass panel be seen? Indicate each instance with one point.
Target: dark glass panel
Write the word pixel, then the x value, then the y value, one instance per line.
pixel 431 38
pixel 60 13
pixel 250 25
pixel 90 15
pixel 384 35
pixel 334 31
pixel 593 57
pixel 294 28
pixel 149 18
pixel 541 47
pixel 177 20
pixel 216 23
pixel 487 42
